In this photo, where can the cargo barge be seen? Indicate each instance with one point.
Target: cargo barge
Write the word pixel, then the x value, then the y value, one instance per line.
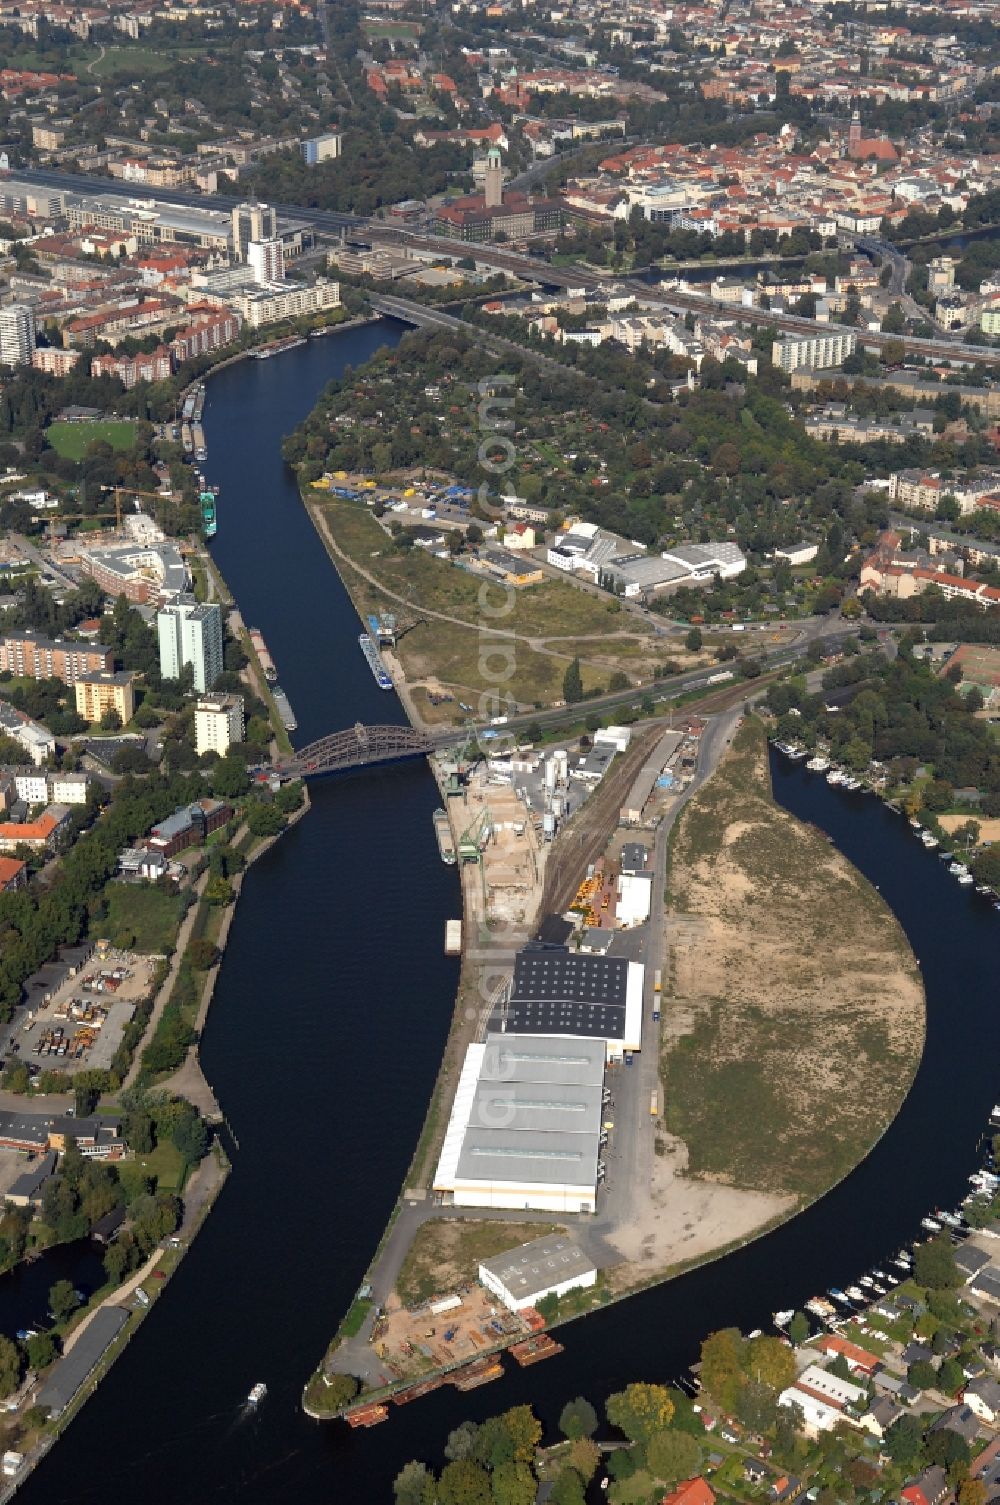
pixel 264 658
pixel 366 1416
pixel 452 937
pixel 266 351
pixel 445 840
pixel 285 711
pixel 479 1372
pixel 534 1350
pixel 375 663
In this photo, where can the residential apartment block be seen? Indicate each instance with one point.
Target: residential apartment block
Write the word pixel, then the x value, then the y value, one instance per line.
pixel 817 351
pixel 30 655
pixel 191 634
pixel 218 723
pixel 107 691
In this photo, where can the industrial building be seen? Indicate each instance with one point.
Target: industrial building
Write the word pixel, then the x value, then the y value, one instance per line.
pixel 68 1376
pixel 544 1267
pixel 563 993
pixel 525 1127
pixel 191 634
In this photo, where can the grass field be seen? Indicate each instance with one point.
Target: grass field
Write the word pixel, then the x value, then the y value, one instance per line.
pixel 794 1017
pixel 71 439
pixel 554 616
pixel 447 1254
pixel 165 1164
pixel 141 918
pixel 142 61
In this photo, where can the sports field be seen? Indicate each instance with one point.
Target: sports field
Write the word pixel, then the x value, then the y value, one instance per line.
pixel 71 440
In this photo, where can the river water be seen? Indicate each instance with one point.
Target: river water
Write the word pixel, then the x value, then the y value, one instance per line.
pixel 324 1038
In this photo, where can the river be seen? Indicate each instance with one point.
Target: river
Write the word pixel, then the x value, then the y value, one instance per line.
pixel 323 1042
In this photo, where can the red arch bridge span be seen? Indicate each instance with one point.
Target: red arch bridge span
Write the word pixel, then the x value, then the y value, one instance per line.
pixel 361 746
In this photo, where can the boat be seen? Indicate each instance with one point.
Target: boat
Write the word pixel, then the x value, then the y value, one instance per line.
pixel 867 1282
pixel 445 840
pixel 820 1307
pixel 367 1416
pixel 209 521
pixel 856 1293
pixel 838 1295
pixel 904 1264
pixel 414 1392
pixel 277 346
pixel 479 1372
pixel 881 1275
pixel 285 711
pixel 966 878
pixel 375 663
pixel 955 868
pixel 782 1319
pixel 796 753
pixel 818 764
pixel 534 1350
pixel 264 658
pixel 931 1225
pixel 878 1288
pixel 257 1394
pixel 915 823
pixel 929 841
pixel 835 776
pixel 983 888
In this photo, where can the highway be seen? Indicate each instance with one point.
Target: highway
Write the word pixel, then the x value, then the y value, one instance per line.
pixel 527 268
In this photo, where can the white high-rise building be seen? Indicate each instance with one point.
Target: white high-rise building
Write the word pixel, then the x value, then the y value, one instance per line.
pixel 266 261
pixel 191 634
pixel 218 723
pixel 17 334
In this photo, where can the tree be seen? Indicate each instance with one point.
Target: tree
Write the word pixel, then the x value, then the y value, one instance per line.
pixel 798 1329
pixel 41 1350
pixel 568 1488
pixel 770 1362
pixel 111 721
pixel 513 1484
pixel 63 1299
pixel 524 1430
pixel 972 1492
pixel 904 1441
pixel 578 1419
pixel 951 1377
pixel 190 1138
pixel 694 640
pixel 922 1375
pixel 414 1484
pixel 573 683
pixel 640 1410
pixel 230 778
pixel 461 1442
pixel 10 1367
pixel 946 1448
pixel 934 1265
pixel 202 953
pixel 464 1483
pixel 722 1356
pixel 673 1456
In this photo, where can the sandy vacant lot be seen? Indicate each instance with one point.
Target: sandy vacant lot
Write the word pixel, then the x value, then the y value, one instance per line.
pixel 795 1020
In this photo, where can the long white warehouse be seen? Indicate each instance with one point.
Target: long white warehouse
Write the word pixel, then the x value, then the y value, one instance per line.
pixel 526 1124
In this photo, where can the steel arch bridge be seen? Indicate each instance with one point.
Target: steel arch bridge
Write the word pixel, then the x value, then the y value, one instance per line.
pixel 359 746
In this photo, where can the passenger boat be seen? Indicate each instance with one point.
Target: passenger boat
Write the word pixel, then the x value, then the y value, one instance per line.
pixel 931 1225
pixel 838 1295
pixel 782 1319
pixel 929 841
pixel 257 1394
pixel 965 878
pixel 374 661
pixel 856 1293
pixel 818 764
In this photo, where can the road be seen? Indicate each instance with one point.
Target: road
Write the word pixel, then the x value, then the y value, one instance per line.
pixel 43 565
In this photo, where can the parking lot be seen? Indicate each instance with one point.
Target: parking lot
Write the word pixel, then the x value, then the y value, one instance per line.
pixel 80 1025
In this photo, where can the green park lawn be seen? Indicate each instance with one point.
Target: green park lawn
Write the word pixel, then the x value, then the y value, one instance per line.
pixel 141 918
pixel 166 1164
pixel 71 439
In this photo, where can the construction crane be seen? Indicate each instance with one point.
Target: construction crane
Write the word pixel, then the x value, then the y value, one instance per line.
pixel 119 492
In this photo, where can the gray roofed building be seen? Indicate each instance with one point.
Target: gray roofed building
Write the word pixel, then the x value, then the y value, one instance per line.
pixel 987 1284
pixel 959 1419
pixel 525 1124
pixel 28 1186
pixel 71 1372
pixel 970 1260
pixel 635 857
pixel 545 1265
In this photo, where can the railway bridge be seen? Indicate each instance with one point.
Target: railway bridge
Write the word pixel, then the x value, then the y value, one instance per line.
pixel 361 746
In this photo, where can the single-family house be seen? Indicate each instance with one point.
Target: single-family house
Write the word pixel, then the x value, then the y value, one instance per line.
pixel 929 1488
pixel 982 1397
